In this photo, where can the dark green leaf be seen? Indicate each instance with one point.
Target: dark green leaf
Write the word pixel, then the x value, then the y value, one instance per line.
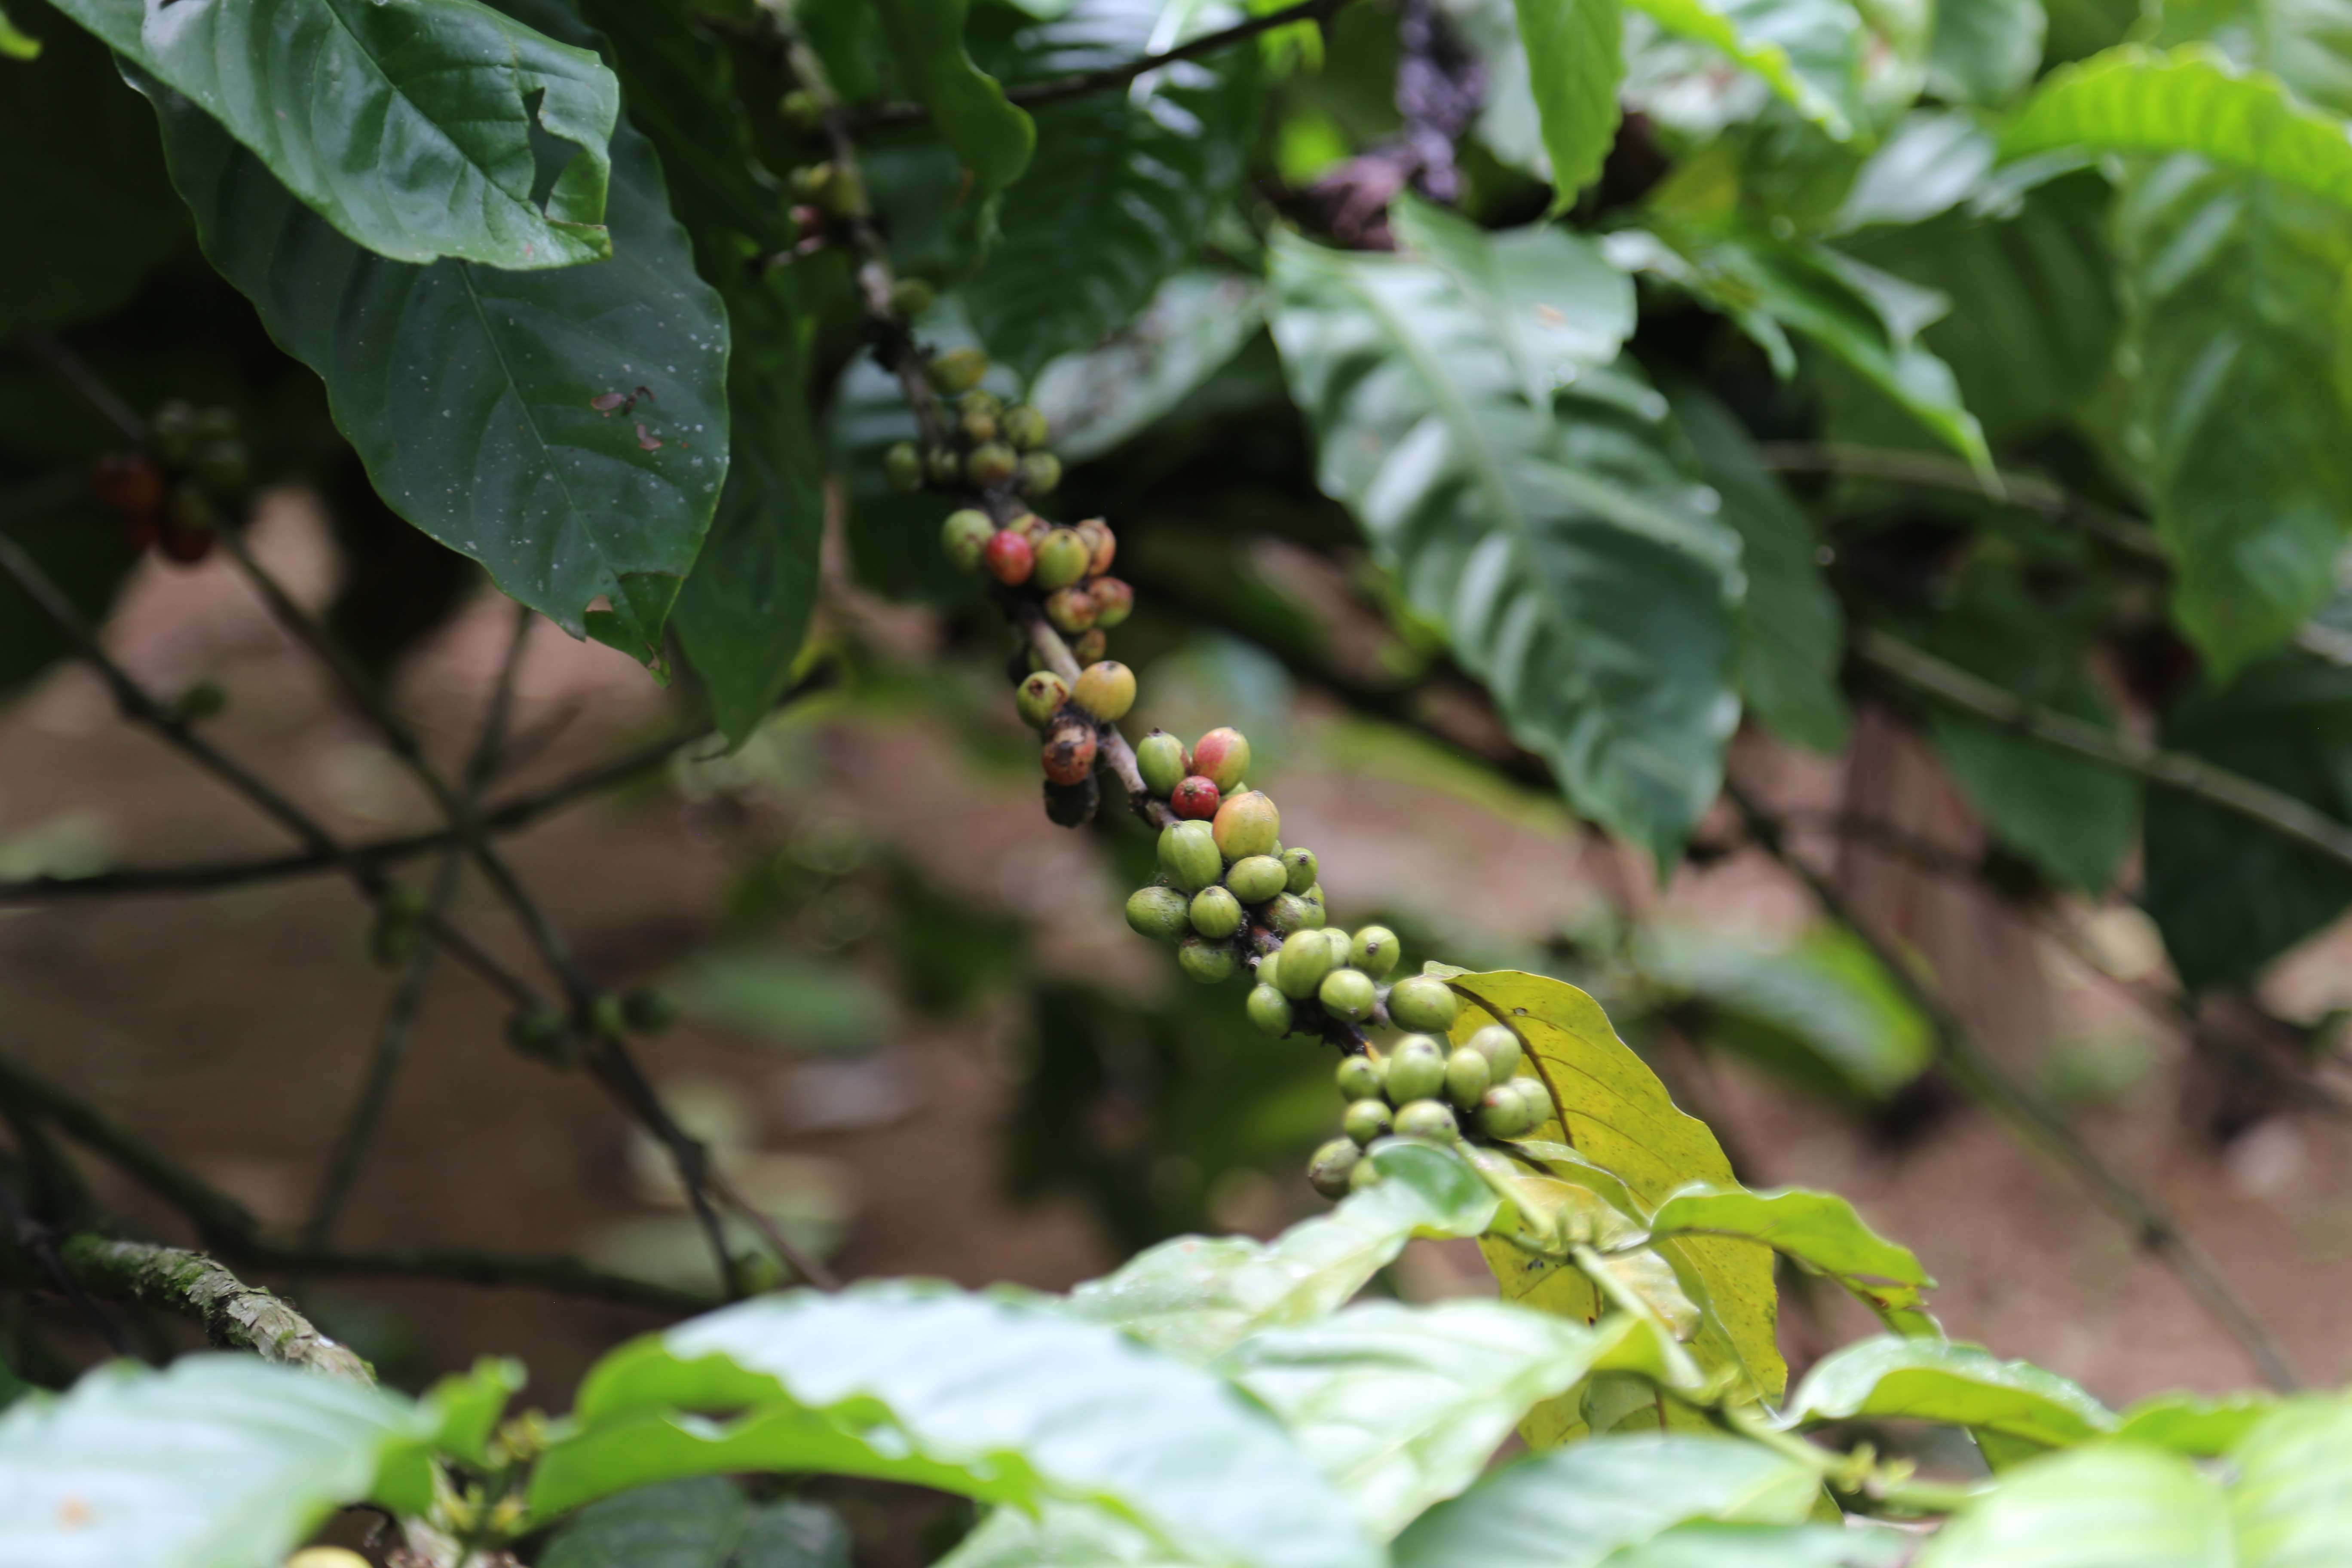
pixel 1574 561
pixel 1003 1398
pixel 1819 1230
pixel 2104 1507
pixel 1576 57
pixel 1809 52
pixel 468 390
pixel 1959 1384
pixel 1984 51
pixel 705 1522
pixel 993 139
pixel 416 130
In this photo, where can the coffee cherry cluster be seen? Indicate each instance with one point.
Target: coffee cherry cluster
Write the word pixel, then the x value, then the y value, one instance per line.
pixel 993 447
pixel 170 495
pixel 1423 1088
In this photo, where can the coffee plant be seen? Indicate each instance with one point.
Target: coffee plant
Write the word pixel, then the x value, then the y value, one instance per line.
pixel 1648 367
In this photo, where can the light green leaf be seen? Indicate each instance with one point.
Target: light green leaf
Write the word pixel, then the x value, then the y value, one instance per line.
pixel 1576 58
pixel 1572 1508
pixel 1099 397
pixel 2193 1425
pixel 15 43
pixel 2290 1502
pixel 467 391
pixel 1058 1536
pixel 1402 1405
pixel 1985 51
pixel 1574 560
pixel 1819 1230
pixel 1002 1398
pixel 222 1461
pixel 1959 1384
pixel 418 131
pixel 1704 1544
pixel 1933 160
pixel 1197 1296
pixel 2103 1507
pixel 993 139
pixel 1809 52
pixel 704 1522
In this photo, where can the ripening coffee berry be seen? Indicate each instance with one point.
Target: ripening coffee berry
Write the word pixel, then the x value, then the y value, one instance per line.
pixel 1061 558
pixel 1348 993
pixel 1040 474
pixel 1329 1172
pixel 1288 912
pixel 1071 609
pixel 1366 1119
pixel 1159 758
pixel 1024 426
pixel 1467 1077
pixel 1102 545
pixel 1163 914
pixel 1070 750
pixel 1216 913
pixel 1106 689
pixel 1188 853
pixel 1205 961
pixel 1306 959
pixel 1423 1002
pixel 943 465
pixel 1375 951
pixel 989 464
pixel 957 370
pixel 977 425
pixel 1429 1119
pixel 1268 1010
pixel 1089 645
pixel 1247 824
pixel 965 535
pixel 1502 1113
pixel 1222 756
pixel 1041 697
pixel 1073 805
pixel 903 466
pixel 1194 798
pixel 1360 1077
pixel 1114 601
pixel 1029 526
pixel 910 297
pixel 1255 879
pixel 1416 1068
pixel 1501 1049
pixel 1008 558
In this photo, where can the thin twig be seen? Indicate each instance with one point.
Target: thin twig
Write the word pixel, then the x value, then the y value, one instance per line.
pixel 2029 1116
pixel 85 384
pixel 219 1219
pixel 41 1243
pixel 557 1276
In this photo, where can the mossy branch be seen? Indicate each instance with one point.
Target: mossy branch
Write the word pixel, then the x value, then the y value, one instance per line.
pixel 235 1315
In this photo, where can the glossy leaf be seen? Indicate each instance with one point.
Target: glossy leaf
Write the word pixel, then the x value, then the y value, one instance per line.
pixel 2103 1507
pixel 1574 561
pixel 1002 1398
pixel 1820 1231
pixel 1096 399
pixel 2291 1499
pixel 1057 1533
pixel 2193 1425
pixel 994 138
pixel 417 131
pixel 220 1462
pixel 1959 1384
pixel 1706 1544
pixel 1121 189
pixel 1809 52
pixel 704 1522
pixel 1197 1296
pixel 1576 57
pixel 1403 1406
pixel 468 391
pixel 1985 51
pixel 1932 160
pixel 1573 1507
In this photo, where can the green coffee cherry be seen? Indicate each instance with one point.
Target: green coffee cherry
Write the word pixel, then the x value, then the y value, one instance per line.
pixel 1163 914
pixel 1423 1002
pixel 1329 1172
pixel 1360 1078
pixel 1313 901
pixel 1159 758
pixel 1106 691
pixel 964 535
pixel 1504 1114
pixel 1375 951
pixel 1537 1099
pixel 1302 868
pixel 1062 558
pixel 1429 1119
pixel 942 466
pixel 802 109
pixel 1268 967
pixel 1306 959
pixel 1216 913
pixel 648 1009
pixel 1025 428
pixel 1288 913
pixel 902 465
pixel 1365 1175
pixel 1348 993
pixel 1204 960
pixel 1366 1119
pixel 1039 697
pixel 910 297
pixel 1040 474
pixel 1467 1078
pixel 980 404
pixel 977 424
pixel 1268 1010
pixel 1246 825
pixel 989 464
pixel 1501 1049
pixel 1188 853
pixel 538 1032
pixel 1416 1068
pixel 1255 879
pixel 957 370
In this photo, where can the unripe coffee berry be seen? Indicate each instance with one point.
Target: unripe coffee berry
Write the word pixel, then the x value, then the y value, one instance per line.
pixel 1301 867
pixel 1365 1175
pixel 1114 601
pixel 1467 1077
pixel 1040 474
pixel 1102 545
pixel 990 464
pixel 1205 961
pixel 1216 913
pixel 1159 758
pixel 1502 1114
pixel 1348 993
pixel 1375 951
pixel 1429 1119
pixel 1089 645
pixel 1222 756
pixel 1537 1098
pixel 977 425
pixel 1269 1010
pixel 1194 798
pixel 980 402
pixel 903 466
pixel 1061 558
pixel 1268 966
pixel 1070 750
pixel 1024 426
pixel 943 465
pixel 957 370
pixel 1329 1172
pixel 538 1032
pixel 1501 1049
pixel 802 111
pixel 1071 609
pixel 1424 1001
pixel 1039 697
pixel 648 1009
pixel 1306 959
pixel 1288 912
pixel 910 297
pixel 1188 853
pixel 1255 879
pixel 1360 1078
pixel 1106 689
pixel 1247 824
pixel 1008 558
pixel 1416 1069
pixel 965 535
pixel 1163 914
pixel 1311 901
pixel 1367 1120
